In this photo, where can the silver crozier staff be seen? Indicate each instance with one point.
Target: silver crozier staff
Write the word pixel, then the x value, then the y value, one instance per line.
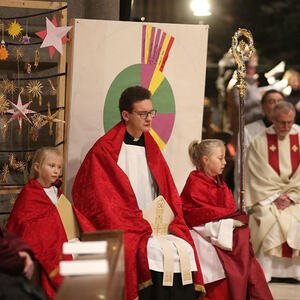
pixel 242 49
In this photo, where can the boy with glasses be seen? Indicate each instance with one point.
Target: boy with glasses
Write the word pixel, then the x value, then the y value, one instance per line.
pixel 120 177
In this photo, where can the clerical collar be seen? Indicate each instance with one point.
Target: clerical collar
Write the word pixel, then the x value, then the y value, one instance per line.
pixel 266 121
pixel 130 140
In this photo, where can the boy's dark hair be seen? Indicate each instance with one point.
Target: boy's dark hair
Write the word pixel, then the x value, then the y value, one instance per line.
pixel 131 95
pixel 265 96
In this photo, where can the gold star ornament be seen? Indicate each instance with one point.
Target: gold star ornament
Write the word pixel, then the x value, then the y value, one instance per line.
pixel 4 174
pixel 18 52
pixel 51 119
pixel 34 88
pixel 4 104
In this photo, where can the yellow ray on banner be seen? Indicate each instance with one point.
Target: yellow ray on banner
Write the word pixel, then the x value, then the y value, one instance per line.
pixel 156 80
pixel 158 76
pixel 158 140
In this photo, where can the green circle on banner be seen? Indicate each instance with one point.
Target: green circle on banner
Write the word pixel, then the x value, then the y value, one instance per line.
pixel 162 100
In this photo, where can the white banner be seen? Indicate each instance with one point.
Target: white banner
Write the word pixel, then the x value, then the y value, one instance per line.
pixel 109 56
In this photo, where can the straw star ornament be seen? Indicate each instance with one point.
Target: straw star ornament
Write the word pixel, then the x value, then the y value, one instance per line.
pixel 12 87
pixel 19 111
pixel 34 88
pixel 51 119
pixel 4 174
pixel 5 84
pixel 3 127
pixel 18 52
pixel 4 105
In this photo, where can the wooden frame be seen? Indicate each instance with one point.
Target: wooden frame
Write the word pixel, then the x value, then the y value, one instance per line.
pixel 68 93
pixel 32 4
pixel 61 68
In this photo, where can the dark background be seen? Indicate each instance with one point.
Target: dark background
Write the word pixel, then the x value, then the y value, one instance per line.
pixel 274 25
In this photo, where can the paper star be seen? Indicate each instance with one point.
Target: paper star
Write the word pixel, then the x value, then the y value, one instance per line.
pixel 26 39
pixel 53 36
pixel 19 111
pixel 51 118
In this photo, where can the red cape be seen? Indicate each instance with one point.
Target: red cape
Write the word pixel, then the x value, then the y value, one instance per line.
pixel 204 200
pixel 102 192
pixel 35 219
pixel 207 199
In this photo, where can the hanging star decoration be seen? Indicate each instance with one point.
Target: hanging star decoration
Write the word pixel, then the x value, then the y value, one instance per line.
pixel 5 84
pixel 28 156
pixel 26 39
pixel 14 29
pixel 12 161
pixel 4 105
pixel 53 36
pixel 52 90
pixel 34 133
pixel 19 111
pixel 12 200
pixel 3 127
pixel 4 174
pixel 38 122
pixel 18 52
pixel 16 165
pixel 21 166
pixel 34 89
pixel 12 87
pixel 51 119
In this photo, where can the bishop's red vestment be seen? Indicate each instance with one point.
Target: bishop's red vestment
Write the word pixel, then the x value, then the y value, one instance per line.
pixel 36 220
pixel 207 199
pixel 103 193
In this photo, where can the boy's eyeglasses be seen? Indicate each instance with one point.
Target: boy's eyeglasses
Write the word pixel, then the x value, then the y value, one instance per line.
pixel 144 114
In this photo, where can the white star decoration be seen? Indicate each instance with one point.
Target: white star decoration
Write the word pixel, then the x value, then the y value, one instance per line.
pixel 19 111
pixel 54 36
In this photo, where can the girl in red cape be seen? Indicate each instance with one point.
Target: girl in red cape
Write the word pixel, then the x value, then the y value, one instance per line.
pixel 220 233
pixel 36 219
